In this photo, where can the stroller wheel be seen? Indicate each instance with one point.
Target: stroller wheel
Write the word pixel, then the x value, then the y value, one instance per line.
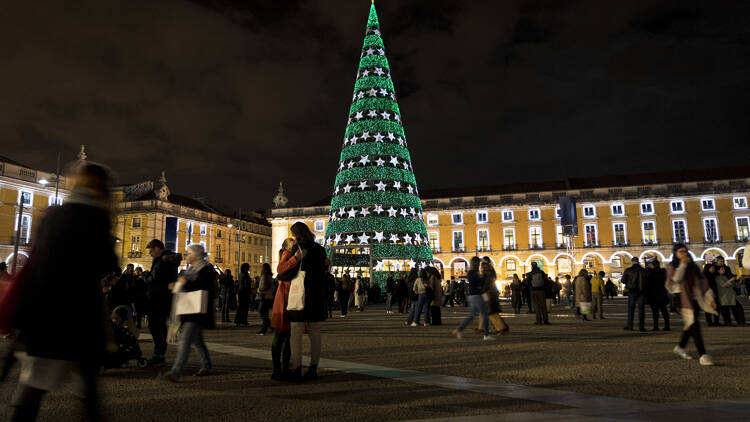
pixel 142 362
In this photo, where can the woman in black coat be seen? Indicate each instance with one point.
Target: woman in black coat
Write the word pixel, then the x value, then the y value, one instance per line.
pixel 308 320
pixel 199 276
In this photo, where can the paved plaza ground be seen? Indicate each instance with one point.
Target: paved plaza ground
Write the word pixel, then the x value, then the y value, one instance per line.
pixel 377 369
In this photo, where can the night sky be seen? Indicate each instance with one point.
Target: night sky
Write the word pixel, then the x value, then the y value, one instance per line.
pixel 231 97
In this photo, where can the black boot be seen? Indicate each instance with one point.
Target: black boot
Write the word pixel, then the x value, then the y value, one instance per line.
pixel 312 372
pixel 296 375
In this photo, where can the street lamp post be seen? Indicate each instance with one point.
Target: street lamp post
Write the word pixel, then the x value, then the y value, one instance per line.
pixel 18 234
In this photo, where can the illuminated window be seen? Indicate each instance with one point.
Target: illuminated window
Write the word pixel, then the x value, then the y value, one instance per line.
pixel 135 243
pixel 591 238
pixel 482 217
pixel 535 214
pixel 649 232
pixel 647 208
pixel 483 240
pixel 589 211
pixel 432 219
pixel 677 207
pixel 535 237
pixel 203 230
pixel 136 222
pixel 458 241
pixel 507 215
pixel 509 238
pixel 320 225
pixel 743 228
pixel 740 202
pixel 708 205
pixel 679 231
pixel 510 265
pixel 710 229
pixel 619 231
pixel 434 241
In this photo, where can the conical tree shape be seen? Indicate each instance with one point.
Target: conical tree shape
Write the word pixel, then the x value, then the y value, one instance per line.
pixel 376 215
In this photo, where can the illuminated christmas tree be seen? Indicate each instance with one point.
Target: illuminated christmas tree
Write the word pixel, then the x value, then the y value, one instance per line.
pixel 376 223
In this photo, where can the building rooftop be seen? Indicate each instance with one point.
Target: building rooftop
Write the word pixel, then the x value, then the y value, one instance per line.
pixel 640 179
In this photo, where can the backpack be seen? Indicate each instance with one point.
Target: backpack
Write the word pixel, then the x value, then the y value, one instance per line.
pixel 537 279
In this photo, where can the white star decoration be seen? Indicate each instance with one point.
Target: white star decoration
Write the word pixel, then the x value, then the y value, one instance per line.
pixel 394 238
pixel 379 266
pixel 358 115
pixel 372 113
pixel 383 92
pixel 373 92
pixel 385 115
pixel 412 212
pixel 365 135
pixel 347 188
pixel 342 212
pixel 404 213
pixel 364 239
pixel 379 138
pixel 378 209
pixel 396 117
pixel 417 238
pixel 400 141
pixel 410 189
pixel 364 160
pixel 394 160
pixel 381 185
pixel 393 96
pixel 381 51
pixel 406 165
pixel 411 263
pixel 376 32
pixel 379 236
pixel 353 141
pixel 365 211
pixel 337 239
pixel 391 136
pixel 349 239
pixel 397 185
pixel 407 239
pixel 363 185
pixel 392 212
pixel 361 95
pixel 370 51
pixel 336 191
pixel 341 166
pixel 379 71
pixel 352 213
pixel 350 164
pixel 380 162
pixel 365 73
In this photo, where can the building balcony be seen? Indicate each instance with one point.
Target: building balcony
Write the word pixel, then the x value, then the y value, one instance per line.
pixel 592 245
pixel 536 246
pixel 484 249
pixel 510 247
pixel 134 254
pixel 218 260
pixel 459 249
pixel 682 240
pixel 620 243
pixel 654 242
pixel 711 240
pixel 561 246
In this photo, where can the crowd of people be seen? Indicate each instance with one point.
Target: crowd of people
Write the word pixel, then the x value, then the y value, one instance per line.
pixel 107 307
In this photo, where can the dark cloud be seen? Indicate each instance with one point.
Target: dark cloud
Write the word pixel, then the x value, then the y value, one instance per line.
pixel 229 97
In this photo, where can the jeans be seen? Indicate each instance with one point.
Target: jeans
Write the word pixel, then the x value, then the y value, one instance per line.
pixel 388 302
pixel 344 301
pixel 417 307
pixel 540 306
pixel 596 305
pixel 655 314
pixel 192 335
pixel 157 325
pixel 477 305
pixel 265 306
pixel 280 347
pixel 313 331
pixel 695 332
pixel 636 299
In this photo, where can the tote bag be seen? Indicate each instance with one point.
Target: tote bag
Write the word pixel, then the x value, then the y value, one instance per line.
pixel 195 302
pixel 297 292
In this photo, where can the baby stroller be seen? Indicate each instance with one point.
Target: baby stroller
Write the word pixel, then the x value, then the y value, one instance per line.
pixel 126 341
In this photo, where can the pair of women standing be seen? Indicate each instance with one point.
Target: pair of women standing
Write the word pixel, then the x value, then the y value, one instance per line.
pixel 299 254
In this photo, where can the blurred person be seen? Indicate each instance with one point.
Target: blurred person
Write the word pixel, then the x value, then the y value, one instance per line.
pixel 330 290
pixel 226 283
pixel 421 284
pixel 402 293
pixel 289 259
pixel 163 273
pixel 344 291
pixel 515 294
pixel 656 293
pixel 48 354
pixel 140 299
pixel 728 304
pixel 684 276
pixel 538 282
pixel 477 305
pixel 265 290
pixel 360 289
pixel 389 291
pixel 597 294
pixel 435 314
pixel 492 297
pixel 200 276
pixel 583 294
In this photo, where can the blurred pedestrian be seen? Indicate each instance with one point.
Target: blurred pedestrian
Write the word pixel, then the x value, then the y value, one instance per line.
pixel 163 273
pixel 656 293
pixel 477 304
pixel 265 290
pixel 244 295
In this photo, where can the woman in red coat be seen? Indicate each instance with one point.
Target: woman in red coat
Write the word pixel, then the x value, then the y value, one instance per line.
pixel 289 258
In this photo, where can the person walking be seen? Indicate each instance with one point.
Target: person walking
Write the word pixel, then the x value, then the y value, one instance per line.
pixel 491 296
pixel 344 291
pixel 389 290
pixel 634 279
pixel 476 303
pixel 685 277
pixel 265 290
pixel 436 284
pixel 538 280
pixel 48 354
pixel 308 320
pixel 200 276
pixel 656 293
pixel 597 294
pixel 583 294
pixel 163 273
pixel 244 295
pixel 515 294
pixel 289 259
pixel 361 290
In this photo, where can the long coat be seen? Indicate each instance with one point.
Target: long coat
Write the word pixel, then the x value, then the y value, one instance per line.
pixel 205 280
pixel 69 233
pixel 583 290
pixel 313 264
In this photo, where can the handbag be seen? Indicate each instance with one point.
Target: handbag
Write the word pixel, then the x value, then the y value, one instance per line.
pixel 195 302
pixel 296 300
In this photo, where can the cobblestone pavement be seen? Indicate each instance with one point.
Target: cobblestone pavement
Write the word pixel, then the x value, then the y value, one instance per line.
pixel 375 368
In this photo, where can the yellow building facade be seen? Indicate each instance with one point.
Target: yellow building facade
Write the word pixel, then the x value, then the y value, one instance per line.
pixel 149 210
pixel 618 218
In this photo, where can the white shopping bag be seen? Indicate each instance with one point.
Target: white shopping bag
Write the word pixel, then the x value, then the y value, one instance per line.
pixel 195 302
pixel 297 293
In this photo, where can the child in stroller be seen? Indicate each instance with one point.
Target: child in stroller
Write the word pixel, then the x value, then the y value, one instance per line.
pixel 126 340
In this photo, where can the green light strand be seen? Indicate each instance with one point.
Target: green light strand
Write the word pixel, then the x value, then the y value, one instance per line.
pixel 368 103
pixel 373 60
pixel 372 40
pixel 374 82
pixel 402 252
pixel 374 126
pixel 369 198
pixel 371 173
pixel 366 224
pixel 375 148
